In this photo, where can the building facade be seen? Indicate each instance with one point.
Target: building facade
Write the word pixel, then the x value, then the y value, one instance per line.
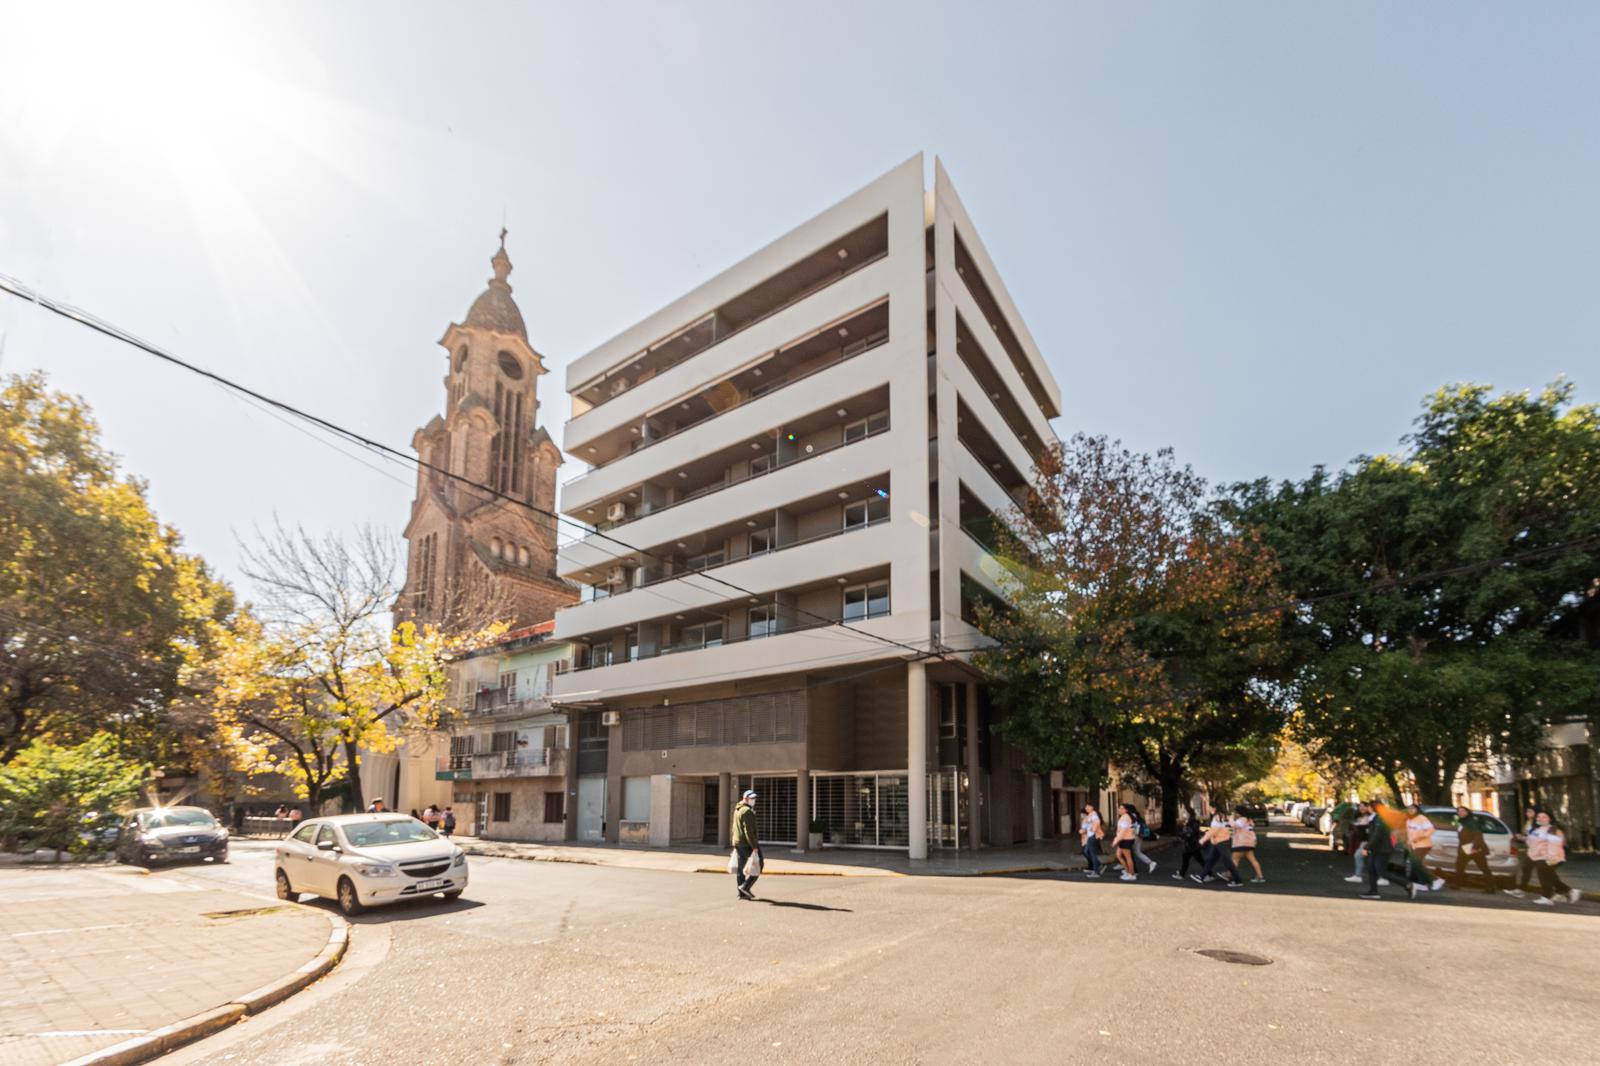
pixel 477 548
pixel 510 768
pixel 793 471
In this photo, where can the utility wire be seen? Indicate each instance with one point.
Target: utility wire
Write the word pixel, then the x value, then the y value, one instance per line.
pixel 99 325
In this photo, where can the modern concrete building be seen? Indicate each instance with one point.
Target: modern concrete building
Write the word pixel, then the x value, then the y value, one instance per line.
pixel 793 469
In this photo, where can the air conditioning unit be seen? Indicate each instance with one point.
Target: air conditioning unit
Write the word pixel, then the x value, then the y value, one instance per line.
pixel 609 718
pixel 617 576
pixel 617 512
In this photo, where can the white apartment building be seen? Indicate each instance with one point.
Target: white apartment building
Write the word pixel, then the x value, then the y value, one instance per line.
pixel 792 471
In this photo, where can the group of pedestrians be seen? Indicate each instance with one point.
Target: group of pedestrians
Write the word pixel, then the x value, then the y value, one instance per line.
pixel 442 822
pixel 1211 848
pixel 1377 835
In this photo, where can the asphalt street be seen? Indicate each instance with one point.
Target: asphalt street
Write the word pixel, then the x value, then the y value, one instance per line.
pixel 556 962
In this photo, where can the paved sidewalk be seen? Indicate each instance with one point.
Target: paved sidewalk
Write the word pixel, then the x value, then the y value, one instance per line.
pixel 95 956
pixel 1043 856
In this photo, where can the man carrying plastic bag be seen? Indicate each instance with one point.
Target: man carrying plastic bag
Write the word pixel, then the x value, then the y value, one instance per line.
pixel 745 862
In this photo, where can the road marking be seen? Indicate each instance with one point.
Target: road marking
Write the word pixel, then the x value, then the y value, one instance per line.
pixel 80 929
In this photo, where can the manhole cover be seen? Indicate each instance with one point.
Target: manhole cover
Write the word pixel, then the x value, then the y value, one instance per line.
pixel 1243 958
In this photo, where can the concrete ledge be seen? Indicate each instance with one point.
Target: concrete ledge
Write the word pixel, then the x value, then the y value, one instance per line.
pixel 171 1037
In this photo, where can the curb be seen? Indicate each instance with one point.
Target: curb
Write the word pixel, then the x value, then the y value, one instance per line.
pixel 171 1037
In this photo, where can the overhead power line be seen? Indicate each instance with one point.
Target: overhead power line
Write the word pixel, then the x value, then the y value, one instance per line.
pixel 101 326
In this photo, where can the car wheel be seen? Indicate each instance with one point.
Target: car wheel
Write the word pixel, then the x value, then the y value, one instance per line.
pixel 284 891
pixel 349 899
pixel 454 893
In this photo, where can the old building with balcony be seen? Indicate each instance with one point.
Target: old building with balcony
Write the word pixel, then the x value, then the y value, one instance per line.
pixel 793 472
pixel 512 763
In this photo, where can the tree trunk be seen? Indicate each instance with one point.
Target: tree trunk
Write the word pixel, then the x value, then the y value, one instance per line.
pixel 354 798
pixel 1171 792
pixel 1393 780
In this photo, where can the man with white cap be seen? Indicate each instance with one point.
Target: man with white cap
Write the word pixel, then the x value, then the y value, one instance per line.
pixel 745 842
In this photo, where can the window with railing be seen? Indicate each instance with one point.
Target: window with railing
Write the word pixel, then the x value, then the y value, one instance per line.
pixel 868 600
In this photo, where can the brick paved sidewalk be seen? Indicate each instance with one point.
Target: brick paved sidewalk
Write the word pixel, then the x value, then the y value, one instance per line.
pixel 90 957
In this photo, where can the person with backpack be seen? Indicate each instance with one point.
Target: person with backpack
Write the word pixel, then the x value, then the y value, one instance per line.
pixel 1090 832
pixel 1547 847
pixel 746 842
pixel 1219 839
pixel 1140 833
pixel 448 822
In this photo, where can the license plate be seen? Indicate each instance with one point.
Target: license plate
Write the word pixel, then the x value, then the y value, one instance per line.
pixel 188 851
pixel 429 886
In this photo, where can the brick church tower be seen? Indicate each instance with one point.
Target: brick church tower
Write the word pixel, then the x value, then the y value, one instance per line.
pixel 474 557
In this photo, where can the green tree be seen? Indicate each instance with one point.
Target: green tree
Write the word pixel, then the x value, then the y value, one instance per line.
pixel 1451 590
pixel 99 609
pixel 1139 628
pixel 52 797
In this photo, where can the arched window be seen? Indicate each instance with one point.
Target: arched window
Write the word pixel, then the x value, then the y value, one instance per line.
pixel 522 555
pixel 496 547
pixel 461 358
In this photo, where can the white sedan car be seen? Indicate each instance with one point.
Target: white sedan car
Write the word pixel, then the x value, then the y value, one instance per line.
pixel 365 860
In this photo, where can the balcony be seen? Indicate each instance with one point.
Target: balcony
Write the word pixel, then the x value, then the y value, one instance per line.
pixel 805 437
pixel 829 345
pixel 524 762
pixel 767 553
pixel 497 703
pixel 840 258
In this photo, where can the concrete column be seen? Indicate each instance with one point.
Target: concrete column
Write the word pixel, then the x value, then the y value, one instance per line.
pixel 570 830
pixel 614 785
pixel 917 757
pixel 724 807
pixel 802 809
pixel 974 771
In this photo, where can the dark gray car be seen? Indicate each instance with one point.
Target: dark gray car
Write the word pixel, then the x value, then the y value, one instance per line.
pixel 152 835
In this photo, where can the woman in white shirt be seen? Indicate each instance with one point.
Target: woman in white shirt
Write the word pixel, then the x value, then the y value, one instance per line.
pixel 1244 843
pixel 1547 847
pixel 1125 831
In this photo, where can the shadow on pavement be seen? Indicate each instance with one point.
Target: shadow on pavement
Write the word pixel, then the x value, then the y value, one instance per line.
pixel 405 911
pixel 803 906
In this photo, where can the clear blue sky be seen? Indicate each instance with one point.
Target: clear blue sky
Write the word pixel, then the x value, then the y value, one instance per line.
pixel 1258 233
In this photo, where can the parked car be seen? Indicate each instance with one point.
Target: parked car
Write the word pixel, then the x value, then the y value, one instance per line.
pixel 1310 816
pixel 1256 813
pixel 367 860
pixel 1297 808
pixel 152 835
pixel 1442 857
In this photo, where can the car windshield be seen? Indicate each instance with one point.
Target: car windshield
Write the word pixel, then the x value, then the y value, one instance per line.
pixel 165 819
pixel 390 831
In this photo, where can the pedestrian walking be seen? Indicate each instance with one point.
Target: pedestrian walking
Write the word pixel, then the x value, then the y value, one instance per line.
pixel 1140 830
pixel 447 822
pixel 1244 843
pixel 1356 842
pixel 375 806
pixel 1378 846
pixel 1189 837
pixel 1471 847
pixel 415 814
pixel 1419 842
pixel 1547 845
pixel 1218 839
pixel 430 816
pixel 1124 842
pixel 1090 832
pixel 1519 841
pixel 295 815
pixel 745 842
